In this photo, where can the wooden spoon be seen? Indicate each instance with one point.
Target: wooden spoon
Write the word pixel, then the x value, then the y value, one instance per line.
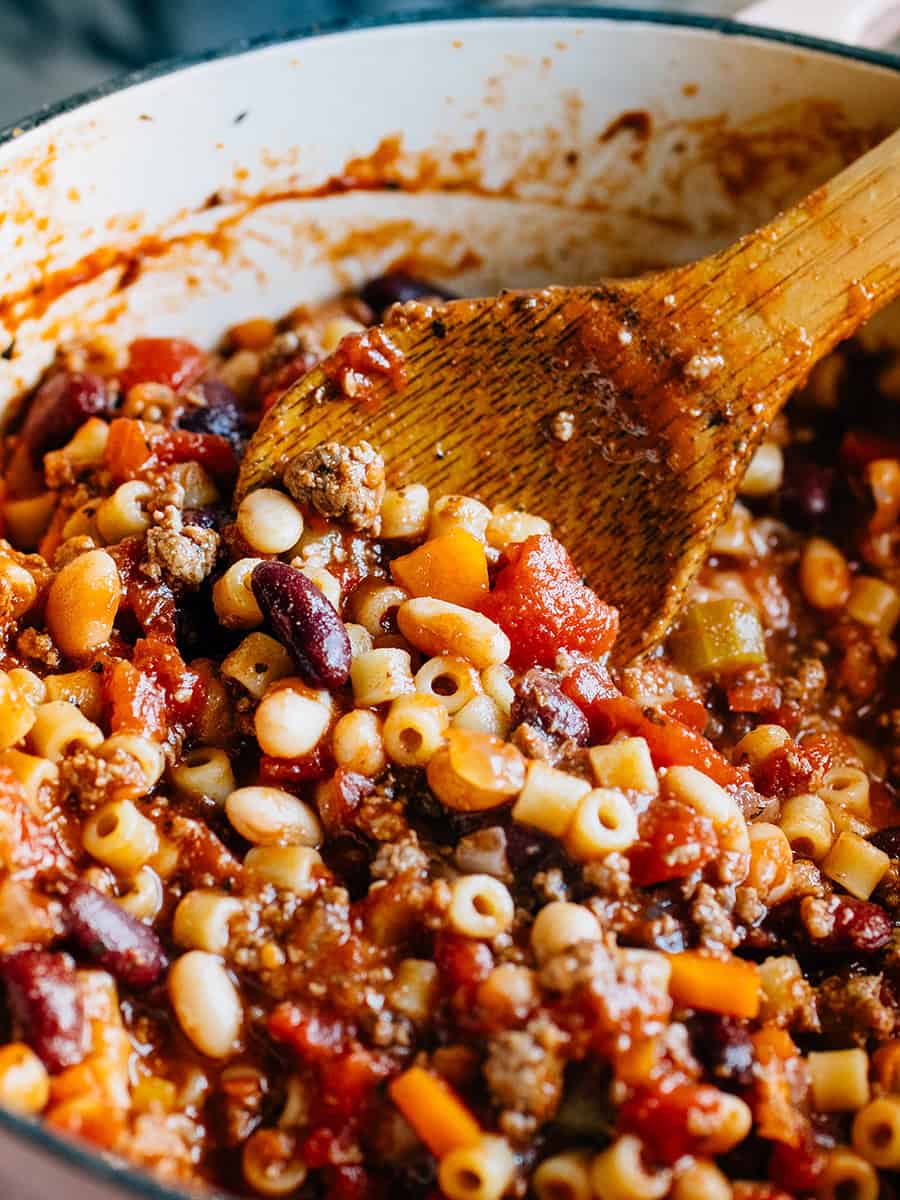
pixel 670 380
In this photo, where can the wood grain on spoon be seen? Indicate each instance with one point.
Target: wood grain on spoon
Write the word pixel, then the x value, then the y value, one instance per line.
pixel 673 379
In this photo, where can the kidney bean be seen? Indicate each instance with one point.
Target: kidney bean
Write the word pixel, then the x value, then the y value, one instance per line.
pixel 806 493
pixel 887 840
pixel 62 403
pixel 213 516
pixel 723 1046
pixel 541 702
pixel 349 856
pixel 398 287
pixel 528 850
pixel 221 414
pixel 46 1006
pixel 858 926
pixel 413 1179
pixel 122 945
pixel 305 622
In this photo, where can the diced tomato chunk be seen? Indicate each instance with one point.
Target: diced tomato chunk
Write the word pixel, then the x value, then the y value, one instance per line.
pixel 348 1082
pixel 324 1146
pixel 671 743
pixel 314 1035
pixel 860 447
pixel 689 712
pixel 155 687
pixel 183 688
pixel 210 450
pixel 791 769
pixel 754 697
pixel 348 1182
pixel 797 1168
pixel 821 748
pixel 462 962
pixel 542 605
pixel 137 704
pixel 290 773
pixel 134 447
pixel 666 1118
pixel 175 362
pixel 673 841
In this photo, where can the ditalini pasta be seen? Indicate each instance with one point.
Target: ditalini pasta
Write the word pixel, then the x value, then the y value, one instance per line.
pixel 340 860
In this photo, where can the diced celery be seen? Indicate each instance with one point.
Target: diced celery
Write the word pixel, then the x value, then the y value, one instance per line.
pixel 718 637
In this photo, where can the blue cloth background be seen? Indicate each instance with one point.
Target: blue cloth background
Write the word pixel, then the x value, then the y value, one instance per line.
pixel 51 48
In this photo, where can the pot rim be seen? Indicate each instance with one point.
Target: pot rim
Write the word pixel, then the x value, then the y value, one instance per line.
pixel 129 1179
pixel 448 12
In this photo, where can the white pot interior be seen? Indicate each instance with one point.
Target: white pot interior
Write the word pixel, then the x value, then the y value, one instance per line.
pixel 185 203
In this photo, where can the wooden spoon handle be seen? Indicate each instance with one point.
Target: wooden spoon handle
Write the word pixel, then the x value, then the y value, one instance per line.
pixel 775 302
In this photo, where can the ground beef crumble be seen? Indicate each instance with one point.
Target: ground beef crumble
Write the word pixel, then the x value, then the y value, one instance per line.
pixel 90 781
pixel 524 1070
pixel 184 554
pixel 346 483
pixel 38 647
pixel 711 914
pixel 398 858
pixel 856 1008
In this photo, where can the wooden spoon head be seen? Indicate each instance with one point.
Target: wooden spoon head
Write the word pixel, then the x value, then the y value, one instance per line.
pixel 563 402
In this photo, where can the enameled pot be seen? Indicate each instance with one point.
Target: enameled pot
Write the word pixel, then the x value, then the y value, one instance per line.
pixel 505 149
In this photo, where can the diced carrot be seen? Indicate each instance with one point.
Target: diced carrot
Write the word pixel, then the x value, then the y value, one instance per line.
pixel 452 567
pixel 723 985
pixel 434 1110
pixel 637 1063
pixel 90 1118
pixel 773 1042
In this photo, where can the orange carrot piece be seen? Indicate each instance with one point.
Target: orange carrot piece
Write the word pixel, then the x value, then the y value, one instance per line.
pixel 771 1042
pixel 723 985
pixel 452 567
pixel 434 1110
